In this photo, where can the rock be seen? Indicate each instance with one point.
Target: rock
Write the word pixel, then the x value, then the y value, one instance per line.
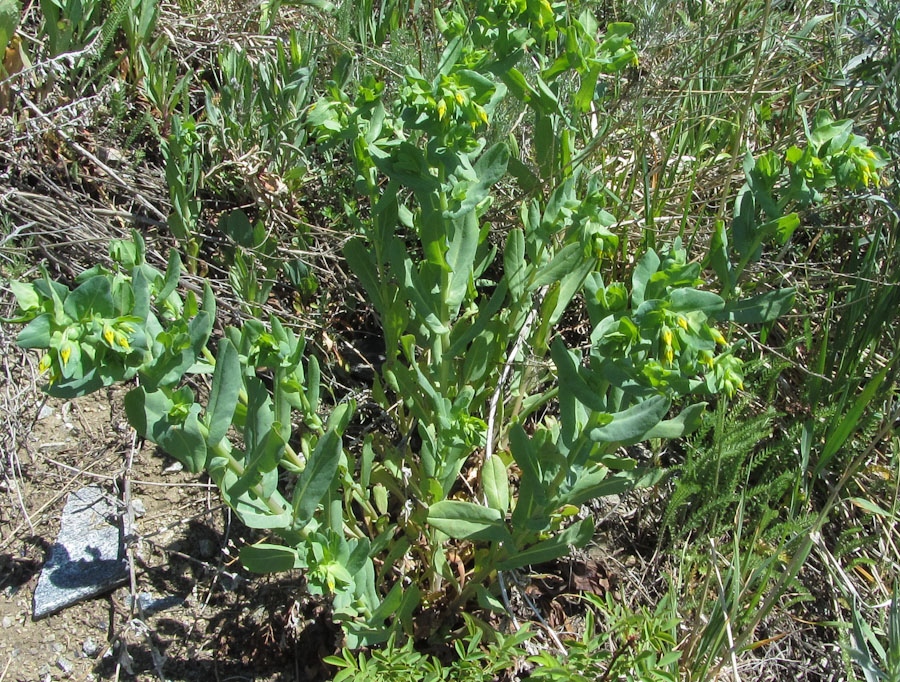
pixel 45 412
pixel 7 622
pixel 138 507
pixel 88 558
pixel 90 648
pixel 64 665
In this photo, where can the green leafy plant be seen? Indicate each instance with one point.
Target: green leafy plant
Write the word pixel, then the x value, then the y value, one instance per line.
pixel 254 126
pixel 479 658
pixel 628 646
pixel 184 176
pixel 70 24
pixel 476 371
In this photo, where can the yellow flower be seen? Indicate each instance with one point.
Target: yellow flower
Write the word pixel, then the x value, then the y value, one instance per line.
pixel 65 353
pixel 442 109
pixel 670 355
pixel 108 334
pixel 682 322
pixel 717 336
pixel 44 364
pixel 460 99
pixel 122 341
pixel 667 337
pixel 482 114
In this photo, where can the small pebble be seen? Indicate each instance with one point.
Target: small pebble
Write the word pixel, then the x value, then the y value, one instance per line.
pixel 90 648
pixel 64 665
pixel 138 507
pixel 45 412
pixel 173 468
pixel 7 622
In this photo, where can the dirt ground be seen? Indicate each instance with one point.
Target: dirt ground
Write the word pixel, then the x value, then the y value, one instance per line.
pixel 207 619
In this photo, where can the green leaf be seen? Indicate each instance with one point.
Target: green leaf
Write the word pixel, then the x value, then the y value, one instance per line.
pixel 850 421
pixel 141 290
pixel 514 267
pixel 496 484
pixel 261 467
pixel 148 413
pixel 223 396
pixel 186 442
pixel 598 483
pixel 468 521
pixel 870 507
pixel 268 558
pixel 260 414
pixel 173 273
pixel 570 284
pixel 523 452
pixel 761 308
pixel 781 228
pixel 94 297
pixel 718 257
pixel 578 534
pixel 414 289
pixel 563 262
pixel 26 295
pixel 633 424
pixel 362 262
pixel 36 333
pixel 526 178
pixel 686 299
pixel 9 20
pixel 570 379
pixel 645 269
pixel 460 258
pixel 317 477
pixel 685 423
pixel 490 167
pixel 237 226
pixel 313 378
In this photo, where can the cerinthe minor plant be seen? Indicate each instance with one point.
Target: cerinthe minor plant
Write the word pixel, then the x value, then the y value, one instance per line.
pixel 514 427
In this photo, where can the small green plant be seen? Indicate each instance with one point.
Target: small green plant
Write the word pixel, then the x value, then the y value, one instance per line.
pixel 164 89
pixel 182 151
pixel 254 125
pixel 70 24
pixel 637 646
pixel 833 158
pixel 479 658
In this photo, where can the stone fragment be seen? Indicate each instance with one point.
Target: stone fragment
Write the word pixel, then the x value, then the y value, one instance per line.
pixel 90 648
pixel 88 558
pixel 64 665
pixel 138 507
